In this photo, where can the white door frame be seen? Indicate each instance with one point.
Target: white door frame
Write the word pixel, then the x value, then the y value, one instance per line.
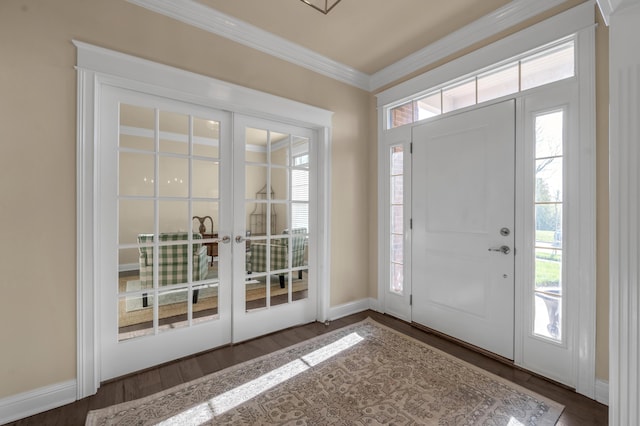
pixel 579 21
pixel 98 67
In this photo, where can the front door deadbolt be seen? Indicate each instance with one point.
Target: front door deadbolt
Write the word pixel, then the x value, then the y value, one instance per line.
pixel 505 232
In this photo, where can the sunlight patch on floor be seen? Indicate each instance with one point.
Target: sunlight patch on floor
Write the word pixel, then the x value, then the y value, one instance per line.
pixel 220 404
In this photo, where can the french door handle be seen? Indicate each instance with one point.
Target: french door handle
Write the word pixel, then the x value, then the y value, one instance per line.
pixel 226 239
pixel 240 239
pixel 502 249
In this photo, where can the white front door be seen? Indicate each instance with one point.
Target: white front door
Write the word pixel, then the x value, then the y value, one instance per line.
pixel 463 226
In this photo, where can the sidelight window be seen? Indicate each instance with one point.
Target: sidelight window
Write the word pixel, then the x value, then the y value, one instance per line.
pixel 548 203
pixel 397 222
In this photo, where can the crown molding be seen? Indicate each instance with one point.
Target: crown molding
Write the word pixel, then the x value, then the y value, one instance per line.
pixel 198 15
pixel 499 20
pixel 609 7
pixel 216 22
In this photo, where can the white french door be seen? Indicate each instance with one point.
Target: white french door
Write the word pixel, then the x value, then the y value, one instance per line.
pixel 463 226
pixel 274 224
pixel 203 239
pixel 164 293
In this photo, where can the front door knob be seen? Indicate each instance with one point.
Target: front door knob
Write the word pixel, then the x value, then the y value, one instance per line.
pixel 503 249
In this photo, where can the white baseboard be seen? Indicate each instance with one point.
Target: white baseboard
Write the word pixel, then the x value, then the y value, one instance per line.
pixel 36 401
pixel 602 392
pixel 350 308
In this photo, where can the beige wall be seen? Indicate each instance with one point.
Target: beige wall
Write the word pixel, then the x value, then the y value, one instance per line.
pixel 38 166
pixel 38 162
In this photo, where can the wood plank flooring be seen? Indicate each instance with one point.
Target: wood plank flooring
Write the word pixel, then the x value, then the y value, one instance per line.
pixel 579 409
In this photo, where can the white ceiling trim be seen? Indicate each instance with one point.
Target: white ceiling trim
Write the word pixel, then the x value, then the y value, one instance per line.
pixel 213 21
pixel 499 20
pixel 216 22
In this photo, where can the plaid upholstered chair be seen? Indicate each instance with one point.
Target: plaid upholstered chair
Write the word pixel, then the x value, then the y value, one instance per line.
pixel 173 261
pixel 257 255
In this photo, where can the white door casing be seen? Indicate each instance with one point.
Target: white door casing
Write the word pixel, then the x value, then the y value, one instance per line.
pixel 463 196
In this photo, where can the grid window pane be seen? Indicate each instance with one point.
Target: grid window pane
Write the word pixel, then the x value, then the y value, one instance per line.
pixel 401 115
pixel 396 225
pixel 549 130
pixel 548 316
pixel 552 65
pixel 497 83
pixel 459 96
pixel 429 106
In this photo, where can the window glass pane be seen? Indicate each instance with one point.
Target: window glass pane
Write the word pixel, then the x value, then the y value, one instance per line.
pixel 397 159
pixel 549 180
pixel 396 219
pixel 173 177
pixel 135 217
pixel 206 137
pixel 459 96
pixel 205 179
pixel 548 270
pixel 397 255
pixel 300 185
pixel 135 174
pixel 549 134
pixel 549 66
pixel 497 83
pixel 280 149
pixel 205 302
pixel 396 189
pixel 549 225
pixel 300 151
pixel 429 106
pixel 397 277
pixel 401 115
pixel 548 316
pixel 300 216
pixel 137 127
pixel 174 133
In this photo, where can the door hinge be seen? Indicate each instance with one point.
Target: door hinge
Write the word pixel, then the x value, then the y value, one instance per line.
pixel 411 148
pixel 411 223
pixel 411 300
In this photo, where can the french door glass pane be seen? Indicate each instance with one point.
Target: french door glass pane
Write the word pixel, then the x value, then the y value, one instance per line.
pixel 136 217
pixel 135 315
pixel 136 174
pixel 173 177
pixel 173 309
pixel 205 306
pixel 174 133
pixel 174 217
pixel 206 138
pixel 206 179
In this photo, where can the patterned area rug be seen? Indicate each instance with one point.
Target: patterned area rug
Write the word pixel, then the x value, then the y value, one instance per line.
pixel 365 373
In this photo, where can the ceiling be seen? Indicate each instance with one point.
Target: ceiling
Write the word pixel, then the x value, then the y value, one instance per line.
pixel 367 35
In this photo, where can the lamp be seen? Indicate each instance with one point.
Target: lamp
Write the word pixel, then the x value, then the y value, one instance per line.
pixel 323 6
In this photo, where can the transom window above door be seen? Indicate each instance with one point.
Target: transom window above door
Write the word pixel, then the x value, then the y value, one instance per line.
pixel 547 64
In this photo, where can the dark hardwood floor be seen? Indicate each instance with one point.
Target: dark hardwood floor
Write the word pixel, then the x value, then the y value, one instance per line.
pixel 579 409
